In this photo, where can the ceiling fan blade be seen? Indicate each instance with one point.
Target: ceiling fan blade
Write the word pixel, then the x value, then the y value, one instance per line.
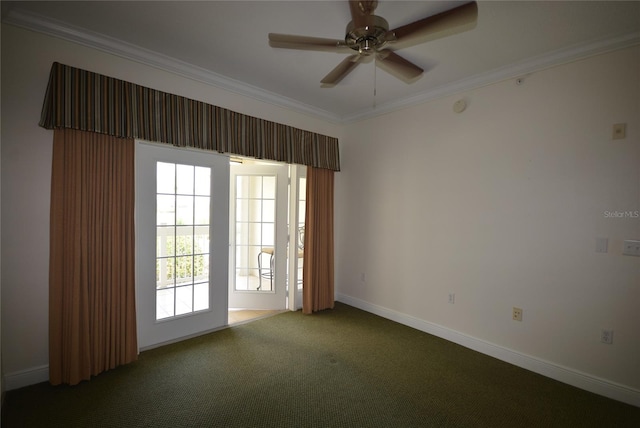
pixel 453 21
pixel 289 41
pixel 338 73
pixel 398 66
pixel 360 9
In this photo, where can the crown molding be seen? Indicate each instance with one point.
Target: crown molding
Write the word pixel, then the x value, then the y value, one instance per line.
pixel 38 23
pixel 35 22
pixel 519 69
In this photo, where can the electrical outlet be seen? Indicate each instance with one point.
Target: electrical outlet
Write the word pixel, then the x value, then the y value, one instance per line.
pixel 619 131
pixel 607 336
pixel 517 314
pixel 602 245
pixel 452 298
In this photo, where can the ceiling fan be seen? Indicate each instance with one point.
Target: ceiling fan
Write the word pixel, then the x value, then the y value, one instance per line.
pixel 369 36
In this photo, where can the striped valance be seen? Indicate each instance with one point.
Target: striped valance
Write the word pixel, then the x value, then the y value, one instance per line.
pixel 87 101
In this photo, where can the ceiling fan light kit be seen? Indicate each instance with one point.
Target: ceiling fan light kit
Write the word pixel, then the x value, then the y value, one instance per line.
pixel 368 35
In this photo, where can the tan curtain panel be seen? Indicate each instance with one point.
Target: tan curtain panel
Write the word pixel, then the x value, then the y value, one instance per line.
pixel 92 319
pixel 86 101
pixel 317 270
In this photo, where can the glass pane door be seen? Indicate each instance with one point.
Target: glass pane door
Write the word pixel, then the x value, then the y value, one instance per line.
pixel 182 242
pixel 258 205
pixel 182 239
pixel 255 237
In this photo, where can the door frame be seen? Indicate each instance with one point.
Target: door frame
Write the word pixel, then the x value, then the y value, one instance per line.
pixel 296 172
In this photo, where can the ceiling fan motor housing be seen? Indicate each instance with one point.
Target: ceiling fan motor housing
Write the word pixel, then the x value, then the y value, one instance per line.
pixel 368 35
pixel 369 38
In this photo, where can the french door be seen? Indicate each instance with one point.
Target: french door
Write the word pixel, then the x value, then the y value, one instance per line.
pixel 297 211
pixel 182 238
pixel 258 236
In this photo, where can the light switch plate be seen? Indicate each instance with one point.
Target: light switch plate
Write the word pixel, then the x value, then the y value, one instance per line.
pixel 631 248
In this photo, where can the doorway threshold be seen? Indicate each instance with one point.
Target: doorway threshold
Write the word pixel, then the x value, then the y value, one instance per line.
pixel 241 316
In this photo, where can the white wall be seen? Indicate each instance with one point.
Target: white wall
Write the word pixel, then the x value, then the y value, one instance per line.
pixel 26 171
pixel 501 205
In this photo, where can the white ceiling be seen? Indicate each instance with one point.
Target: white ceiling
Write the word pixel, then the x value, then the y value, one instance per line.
pixel 225 43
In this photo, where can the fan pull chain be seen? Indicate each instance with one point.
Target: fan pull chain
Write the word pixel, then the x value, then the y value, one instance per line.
pixel 375 71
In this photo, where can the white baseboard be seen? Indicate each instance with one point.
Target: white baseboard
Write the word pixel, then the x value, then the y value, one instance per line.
pixel 554 371
pixel 27 377
pixel 566 375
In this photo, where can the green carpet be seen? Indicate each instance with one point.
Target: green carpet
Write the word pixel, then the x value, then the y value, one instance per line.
pixel 337 368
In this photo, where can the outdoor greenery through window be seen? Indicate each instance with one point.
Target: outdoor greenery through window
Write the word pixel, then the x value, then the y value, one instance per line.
pixel 183 200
